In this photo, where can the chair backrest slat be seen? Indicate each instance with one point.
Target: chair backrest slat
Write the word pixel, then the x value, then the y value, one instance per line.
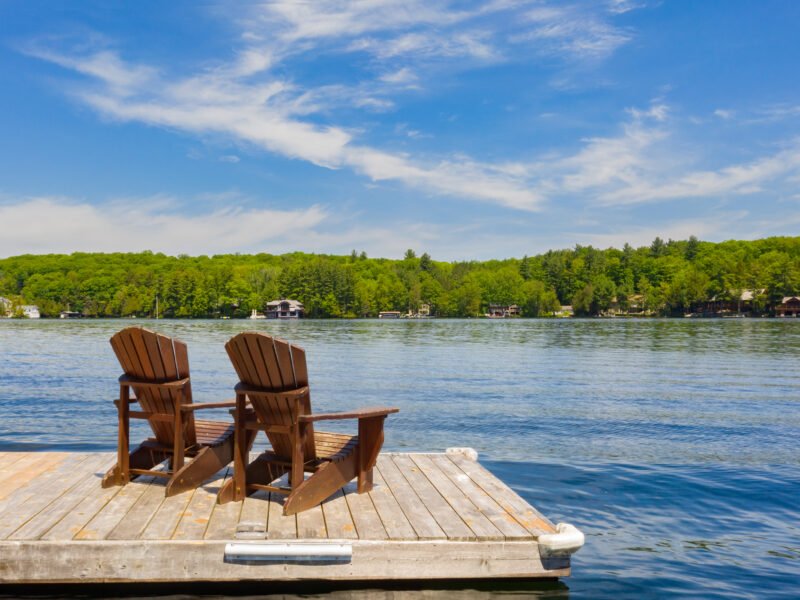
pixel 167 349
pixel 299 362
pixel 154 356
pixel 256 352
pixel 267 346
pixel 285 366
pixel 245 367
pixel 182 364
pixel 140 349
pixel 152 363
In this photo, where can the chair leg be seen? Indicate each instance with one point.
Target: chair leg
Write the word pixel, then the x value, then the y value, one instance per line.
pixel 261 472
pixel 142 457
pixel 179 445
pixel 297 473
pixel 370 441
pixel 324 482
pixel 237 488
pixel 123 474
pixel 209 460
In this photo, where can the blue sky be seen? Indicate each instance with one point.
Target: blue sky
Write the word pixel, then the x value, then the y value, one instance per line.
pixel 467 130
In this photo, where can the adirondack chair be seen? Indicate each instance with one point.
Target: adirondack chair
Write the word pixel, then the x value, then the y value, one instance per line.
pixel 274 379
pixel 156 369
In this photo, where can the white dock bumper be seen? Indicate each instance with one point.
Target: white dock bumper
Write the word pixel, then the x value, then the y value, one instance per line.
pixel 285 552
pixel 466 452
pixel 567 540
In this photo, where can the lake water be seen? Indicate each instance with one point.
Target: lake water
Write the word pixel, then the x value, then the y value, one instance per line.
pixel 673 444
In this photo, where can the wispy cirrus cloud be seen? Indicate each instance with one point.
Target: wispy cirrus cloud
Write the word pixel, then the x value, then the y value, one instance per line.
pixel 270 115
pixel 639 165
pixel 677 229
pixel 332 19
pixel 645 163
pixel 760 115
pixel 248 99
pixel 472 44
pixel 623 6
pixel 573 30
pixel 737 179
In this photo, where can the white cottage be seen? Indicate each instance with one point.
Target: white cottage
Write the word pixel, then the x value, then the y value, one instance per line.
pixel 285 309
pixel 31 311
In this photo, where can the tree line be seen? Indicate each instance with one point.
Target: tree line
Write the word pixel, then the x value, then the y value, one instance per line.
pixel 665 278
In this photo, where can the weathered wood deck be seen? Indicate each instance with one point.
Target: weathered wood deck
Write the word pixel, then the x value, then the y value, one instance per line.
pixel 430 516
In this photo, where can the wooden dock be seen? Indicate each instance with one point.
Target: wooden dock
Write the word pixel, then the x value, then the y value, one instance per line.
pixel 430 516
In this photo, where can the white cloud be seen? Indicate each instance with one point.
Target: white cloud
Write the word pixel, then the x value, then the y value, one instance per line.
pixel 776 112
pixel 248 100
pixel 333 19
pixel 623 6
pixel 268 115
pixel 402 77
pixel 122 79
pixel 658 112
pixel 229 158
pixel 772 113
pixel 58 225
pixel 473 44
pixel 681 229
pixel 573 30
pixel 404 129
pixel 62 225
pixel 739 179
pixel 644 164
pixel 609 162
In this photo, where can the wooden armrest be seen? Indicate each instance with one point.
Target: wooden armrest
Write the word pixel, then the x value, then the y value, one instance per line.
pixel 133 400
pixel 361 413
pixel 141 383
pixel 202 405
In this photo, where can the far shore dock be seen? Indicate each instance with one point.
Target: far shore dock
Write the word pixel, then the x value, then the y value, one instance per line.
pixel 429 517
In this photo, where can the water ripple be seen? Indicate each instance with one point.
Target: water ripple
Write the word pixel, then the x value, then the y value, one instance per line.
pixel 675 445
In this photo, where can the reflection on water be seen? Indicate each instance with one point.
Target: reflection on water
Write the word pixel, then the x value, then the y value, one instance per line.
pixel 674 445
pixel 484 590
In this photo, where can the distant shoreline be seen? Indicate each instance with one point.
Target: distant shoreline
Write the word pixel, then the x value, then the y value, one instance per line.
pixel 670 278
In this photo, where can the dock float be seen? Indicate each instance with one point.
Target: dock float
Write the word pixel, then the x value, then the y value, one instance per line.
pixel 429 517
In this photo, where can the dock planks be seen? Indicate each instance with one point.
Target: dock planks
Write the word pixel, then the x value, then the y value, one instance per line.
pixel 432 516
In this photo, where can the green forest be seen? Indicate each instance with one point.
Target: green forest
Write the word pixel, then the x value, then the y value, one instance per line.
pixel 666 278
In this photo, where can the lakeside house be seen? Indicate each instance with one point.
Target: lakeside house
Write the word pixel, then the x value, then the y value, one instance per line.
pixel 285 309
pixel 789 307
pixel 637 306
pixel 743 302
pixel 28 311
pixel 424 312
pixel 31 311
pixel 565 311
pixel 502 311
